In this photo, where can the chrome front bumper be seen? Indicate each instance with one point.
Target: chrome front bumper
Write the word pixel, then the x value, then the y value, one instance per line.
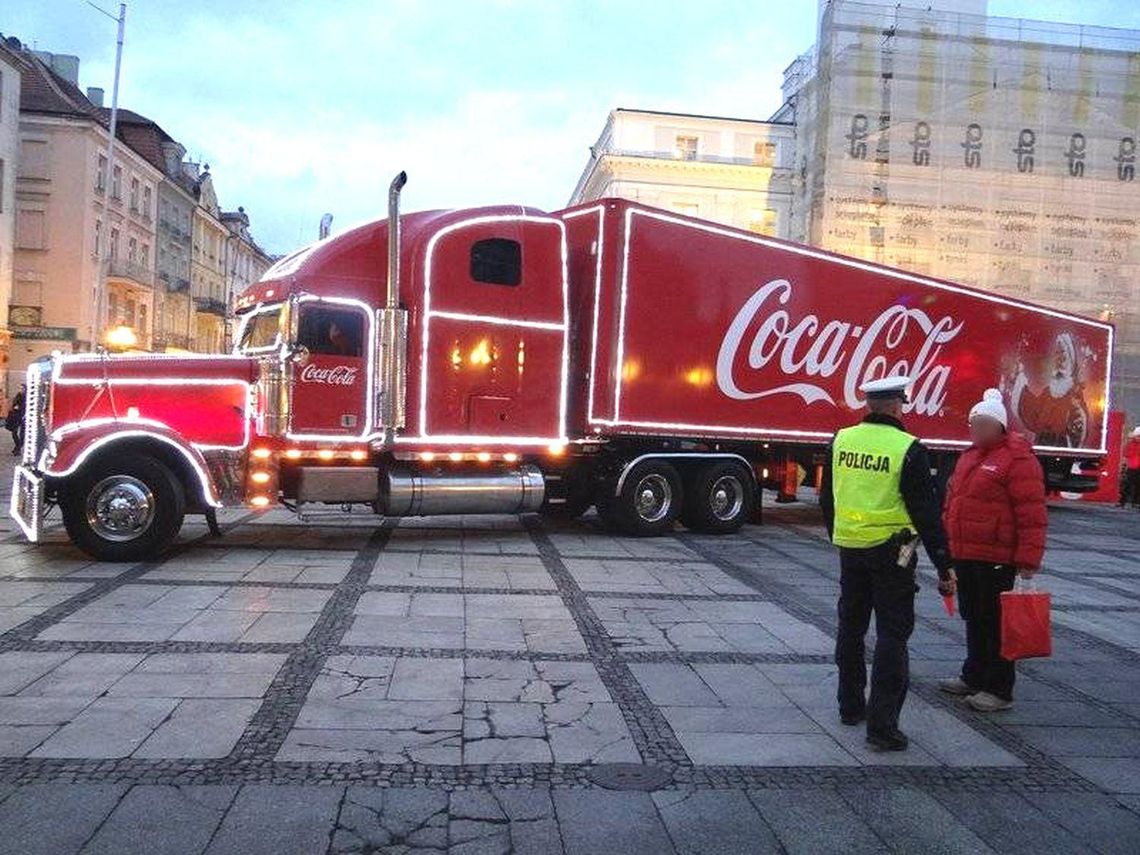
pixel 28 507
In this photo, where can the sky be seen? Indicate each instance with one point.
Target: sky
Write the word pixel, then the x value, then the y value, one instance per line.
pixel 303 107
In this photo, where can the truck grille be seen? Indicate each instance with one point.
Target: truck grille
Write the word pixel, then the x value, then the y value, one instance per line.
pixel 36 403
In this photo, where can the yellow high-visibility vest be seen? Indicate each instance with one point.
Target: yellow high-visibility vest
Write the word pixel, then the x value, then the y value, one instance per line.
pixel 866 468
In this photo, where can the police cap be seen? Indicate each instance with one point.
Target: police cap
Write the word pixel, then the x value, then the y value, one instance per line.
pixel 886 387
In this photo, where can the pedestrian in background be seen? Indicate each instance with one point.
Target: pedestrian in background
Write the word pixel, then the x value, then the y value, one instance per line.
pixel 878 499
pixel 14 421
pixel 1130 486
pixel 996 518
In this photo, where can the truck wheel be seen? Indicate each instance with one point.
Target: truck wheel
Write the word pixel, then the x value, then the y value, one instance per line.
pixel 650 500
pixel 720 499
pixel 127 509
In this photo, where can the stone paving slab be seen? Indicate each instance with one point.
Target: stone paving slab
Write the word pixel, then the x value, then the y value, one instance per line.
pixel 22 599
pixel 420 569
pixel 453 711
pixel 193 613
pixel 652 625
pixel 536 623
pixel 125 704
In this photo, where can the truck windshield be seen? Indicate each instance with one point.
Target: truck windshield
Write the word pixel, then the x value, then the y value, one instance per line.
pixel 261 330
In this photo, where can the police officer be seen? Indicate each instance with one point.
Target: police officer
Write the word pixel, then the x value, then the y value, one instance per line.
pixel 878 498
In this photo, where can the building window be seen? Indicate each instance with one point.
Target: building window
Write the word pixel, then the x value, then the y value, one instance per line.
pixel 117 183
pixel 146 204
pixel 114 244
pixel 497 261
pixel 101 175
pixel 134 195
pixel 764 154
pixel 30 228
pixel 98 238
pixel 132 251
pixel 763 222
pixel 686 148
pixel 1 183
pixel 144 255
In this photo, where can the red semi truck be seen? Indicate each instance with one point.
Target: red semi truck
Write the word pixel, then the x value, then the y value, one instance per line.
pixel 507 360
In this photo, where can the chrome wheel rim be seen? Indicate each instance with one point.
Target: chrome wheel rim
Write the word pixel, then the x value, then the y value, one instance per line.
pixel 120 508
pixel 653 498
pixel 726 498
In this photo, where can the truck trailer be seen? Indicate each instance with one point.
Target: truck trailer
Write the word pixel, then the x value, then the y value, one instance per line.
pixel 507 360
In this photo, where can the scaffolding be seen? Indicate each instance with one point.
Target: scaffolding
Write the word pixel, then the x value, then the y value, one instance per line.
pixel 992 151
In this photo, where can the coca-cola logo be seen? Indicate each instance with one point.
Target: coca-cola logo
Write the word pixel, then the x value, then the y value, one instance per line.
pixel 901 341
pixel 335 375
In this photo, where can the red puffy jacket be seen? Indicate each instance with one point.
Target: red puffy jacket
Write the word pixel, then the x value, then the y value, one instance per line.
pixel 995 505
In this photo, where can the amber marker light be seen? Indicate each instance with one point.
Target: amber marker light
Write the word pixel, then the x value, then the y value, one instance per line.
pixel 556 450
pixel 483 457
pixel 293 453
pixel 510 457
pixel 455 456
pixel 259 477
pixel 259 501
pixel 325 454
pixel 262 453
pixel 358 454
pixel 427 456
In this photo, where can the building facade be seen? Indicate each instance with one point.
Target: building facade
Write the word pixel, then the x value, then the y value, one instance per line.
pixel 245 261
pixel 207 267
pixel 996 152
pixel 77 221
pixel 12 64
pixel 731 171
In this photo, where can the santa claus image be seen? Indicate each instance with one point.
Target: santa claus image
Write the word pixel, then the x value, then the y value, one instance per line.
pixel 1053 412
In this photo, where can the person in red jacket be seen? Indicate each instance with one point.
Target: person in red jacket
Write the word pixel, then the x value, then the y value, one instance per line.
pixel 1130 489
pixel 995 518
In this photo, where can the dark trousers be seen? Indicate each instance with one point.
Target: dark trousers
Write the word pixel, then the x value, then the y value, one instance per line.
pixel 1130 488
pixel 870 580
pixel 979 600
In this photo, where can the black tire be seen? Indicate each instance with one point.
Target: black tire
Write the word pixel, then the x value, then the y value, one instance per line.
pixel 720 498
pixel 128 476
pixel 649 502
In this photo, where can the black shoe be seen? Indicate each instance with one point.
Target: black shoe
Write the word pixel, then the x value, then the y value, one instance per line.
pixel 853 719
pixel 894 741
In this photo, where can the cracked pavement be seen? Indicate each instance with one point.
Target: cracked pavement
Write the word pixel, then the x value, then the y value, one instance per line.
pixel 466 684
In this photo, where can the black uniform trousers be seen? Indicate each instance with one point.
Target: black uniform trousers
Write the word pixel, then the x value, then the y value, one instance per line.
pixel 979 600
pixel 1130 488
pixel 871 580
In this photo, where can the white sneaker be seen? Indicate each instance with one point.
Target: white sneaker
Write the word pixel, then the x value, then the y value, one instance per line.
pixel 985 702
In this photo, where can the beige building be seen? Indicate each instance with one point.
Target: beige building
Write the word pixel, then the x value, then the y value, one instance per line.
pixel 732 171
pixel 11 66
pixel 996 152
pixel 208 268
pixel 245 261
pixel 76 220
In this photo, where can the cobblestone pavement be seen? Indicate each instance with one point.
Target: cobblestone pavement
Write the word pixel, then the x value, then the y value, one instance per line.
pixel 514 685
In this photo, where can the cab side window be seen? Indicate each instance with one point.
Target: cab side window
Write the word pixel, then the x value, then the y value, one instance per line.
pixel 334 332
pixel 497 261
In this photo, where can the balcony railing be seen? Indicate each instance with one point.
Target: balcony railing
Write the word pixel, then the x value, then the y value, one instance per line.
pixel 123 269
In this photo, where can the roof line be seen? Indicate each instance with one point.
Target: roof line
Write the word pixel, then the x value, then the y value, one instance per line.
pixel 698 116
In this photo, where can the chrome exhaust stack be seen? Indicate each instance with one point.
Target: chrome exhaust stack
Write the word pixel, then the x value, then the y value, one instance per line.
pixel 392 331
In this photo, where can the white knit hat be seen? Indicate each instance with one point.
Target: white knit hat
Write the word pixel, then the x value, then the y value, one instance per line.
pixel 991 407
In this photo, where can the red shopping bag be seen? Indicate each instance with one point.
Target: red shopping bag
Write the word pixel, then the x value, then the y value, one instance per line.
pixel 1025 622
